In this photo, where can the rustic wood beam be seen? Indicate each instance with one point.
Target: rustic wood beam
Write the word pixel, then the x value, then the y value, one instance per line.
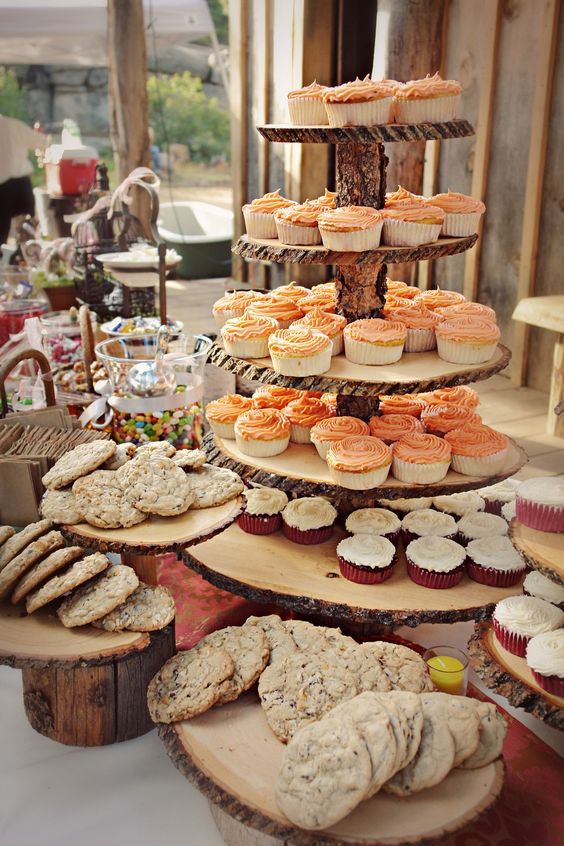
pixel 238 99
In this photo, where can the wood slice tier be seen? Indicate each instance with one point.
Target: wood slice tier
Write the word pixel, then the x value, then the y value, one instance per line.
pixel 543 551
pixel 509 676
pixel 300 470
pixel 232 757
pixel 386 133
pixel 274 250
pixel 414 372
pixel 272 569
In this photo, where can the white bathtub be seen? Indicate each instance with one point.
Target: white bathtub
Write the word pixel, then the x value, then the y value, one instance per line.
pixel 202 234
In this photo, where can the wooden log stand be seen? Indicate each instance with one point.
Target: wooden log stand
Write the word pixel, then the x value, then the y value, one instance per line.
pixel 543 551
pixel 86 686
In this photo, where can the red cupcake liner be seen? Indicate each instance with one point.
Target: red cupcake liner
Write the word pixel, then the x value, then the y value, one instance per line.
pixel 257 524
pixel 491 577
pixel 309 536
pixel 535 515
pixel 493 506
pixel 365 575
pixel 514 643
pixel 552 684
pixel 432 579
pixel 411 536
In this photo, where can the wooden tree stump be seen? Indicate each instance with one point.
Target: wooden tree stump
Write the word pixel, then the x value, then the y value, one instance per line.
pixel 361 175
pixel 349 405
pixel 361 291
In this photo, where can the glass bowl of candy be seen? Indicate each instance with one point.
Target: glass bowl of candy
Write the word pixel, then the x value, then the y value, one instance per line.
pixel 14 313
pixel 61 337
pixel 136 326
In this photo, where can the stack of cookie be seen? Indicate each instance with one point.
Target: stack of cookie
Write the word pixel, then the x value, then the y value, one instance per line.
pixel 37 568
pixel 114 487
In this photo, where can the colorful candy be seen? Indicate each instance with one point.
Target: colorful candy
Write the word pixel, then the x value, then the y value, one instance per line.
pixel 183 427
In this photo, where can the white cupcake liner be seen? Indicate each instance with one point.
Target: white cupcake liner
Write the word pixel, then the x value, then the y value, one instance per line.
pixel 360 481
pixel 307 111
pixel 262 449
pixel 465 352
pixel 420 340
pixel 419 474
pixel 311 365
pixel 426 109
pixel 363 352
pixel 460 225
pixel 485 465
pixel 369 113
pixel 221 317
pixel 356 241
pixel 260 225
pixel 403 233
pixel 322 447
pixel 249 348
pixel 300 434
pixel 338 343
pixel 226 431
pixel 292 233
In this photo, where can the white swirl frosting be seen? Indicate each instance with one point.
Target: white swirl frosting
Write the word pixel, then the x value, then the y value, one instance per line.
pixel 545 653
pixel 366 550
pixel 437 554
pixel 528 615
pixel 540 586
pixel 504 491
pixel 266 501
pixel 495 553
pixel 459 503
pixel 402 504
pixel 309 512
pixel 372 521
pixel 478 524
pixel 548 490
pixel 509 511
pixel 427 523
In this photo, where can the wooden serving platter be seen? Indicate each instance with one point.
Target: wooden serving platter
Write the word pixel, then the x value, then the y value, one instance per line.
pixel 272 569
pixel 232 757
pixel 510 676
pixel 385 133
pixel 543 551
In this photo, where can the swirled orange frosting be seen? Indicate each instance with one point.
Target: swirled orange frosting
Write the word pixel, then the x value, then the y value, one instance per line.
pixel 358 91
pixel 459 395
pixel 374 330
pixel 328 200
pixel 467 310
pixel 337 428
pixel 291 292
pixel 236 301
pixel 281 308
pixel 314 90
pixel 328 287
pixel 297 342
pixel 390 84
pixel 392 427
pixel 421 448
pixel 400 289
pixel 402 197
pixel 329 324
pixel 302 214
pixel 349 218
pixel 454 203
pixel 262 424
pixel 443 417
pixel 228 408
pixel 306 411
pixel 440 299
pixel 476 441
pixel 415 316
pixel 268 204
pixel 401 404
pixel 275 396
pixel 330 400
pixel 324 300
pixel 392 302
pixel 415 214
pixel 431 86
pixel 248 327
pixel 473 328
pixel 359 454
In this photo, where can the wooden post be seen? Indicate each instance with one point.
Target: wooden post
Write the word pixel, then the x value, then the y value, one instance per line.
pixel 238 98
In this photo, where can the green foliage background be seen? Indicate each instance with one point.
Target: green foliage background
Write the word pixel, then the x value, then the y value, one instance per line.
pixel 11 96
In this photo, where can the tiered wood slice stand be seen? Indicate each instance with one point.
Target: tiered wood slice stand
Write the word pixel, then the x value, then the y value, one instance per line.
pixel 543 551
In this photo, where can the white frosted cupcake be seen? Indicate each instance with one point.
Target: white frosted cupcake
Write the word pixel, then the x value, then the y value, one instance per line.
pixel 306 105
pixel 500 494
pixel 435 562
pixel 374 341
pixel 420 459
pixel 427 523
pixel 540 503
pixel 223 412
pixel 351 229
pixel 494 560
pixel 405 505
pixel 300 351
pixel 374 521
pixel 303 414
pixel 462 213
pixel 366 559
pixel 411 226
pixel 362 102
pixel 467 340
pixel 509 511
pixel 308 520
pixel 247 336
pixel 519 618
pixel 536 584
pixel 335 429
pixel 478 450
pixel 459 504
pixel 429 100
pixel 359 463
pixel 233 305
pixel 480 524
pixel 331 325
pixel 545 657
pixel 259 214
pixel 262 432
pixel 263 507
pixel 298 224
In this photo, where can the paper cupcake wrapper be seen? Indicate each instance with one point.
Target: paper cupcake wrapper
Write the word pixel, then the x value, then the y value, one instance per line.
pixel 322 448
pixel 493 578
pixel 338 343
pixel 260 225
pixel 432 579
pixel 552 684
pixel 255 524
pixel 300 434
pixel 370 113
pixel 223 430
pixel 356 241
pixel 514 643
pixel 464 352
pixel 535 515
pixel 411 536
pixel 292 233
pixel 460 225
pixel 403 233
pixel 307 111
pixel 221 317
pixel 262 449
pixel 420 340
pixel 311 365
pixel 363 352
pixel 249 348
pixel 308 536
pixel 485 465
pixel 493 506
pixel 360 481
pixel 419 474
pixel 365 575
pixel 427 110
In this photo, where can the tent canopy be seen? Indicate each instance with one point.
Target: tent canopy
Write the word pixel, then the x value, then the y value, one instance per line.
pixel 73 32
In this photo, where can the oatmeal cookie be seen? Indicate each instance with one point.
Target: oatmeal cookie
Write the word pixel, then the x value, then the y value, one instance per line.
pixel 463 722
pixel 6 532
pixel 213 486
pixel 60 507
pixel 14 545
pixel 157 486
pixel 100 596
pixel 44 569
pixel 190 459
pixel 101 499
pixel 248 648
pixel 405 669
pixel 78 573
pixel 149 608
pixel 188 684
pixel 123 454
pixel 493 729
pixel 23 562
pixel 281 643
pixel 80 461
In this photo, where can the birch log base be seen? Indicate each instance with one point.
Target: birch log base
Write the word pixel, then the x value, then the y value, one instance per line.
pixel 232 757
pixel 509 676
pixel 386 133
pixel 84 686
pixel 543 551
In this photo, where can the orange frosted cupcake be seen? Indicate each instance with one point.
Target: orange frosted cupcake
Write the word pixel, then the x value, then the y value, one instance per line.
pixel 402 197
pixel 440 418
pixel 429 100
pixel 247 336
pixel 330 400
pixel 291 292
pixel 259 214
pixel 411 226
pixel 438 298
pixel 374 341
pixel 262 432
pixel 467 340
pixel 306 105
pixel 335 429
pixel 420 459
pixel 351 228
pixel 303 414
pixel 359 463
pixel 327 201
pixel 275 396
pixel 392 302
pixel 401 404
pixel 331 325
pixel 359 103
pixel 459 395
pixel 223 412
pixel 282 309
pixel 325 287
pixel 233 305
pixel 326 300
pixel 477 450
pixel 420 324
pixel 301 351
pixel 391 427
pixel 298 224
pixel 467 310
pixel 462 213
pixel 401 290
